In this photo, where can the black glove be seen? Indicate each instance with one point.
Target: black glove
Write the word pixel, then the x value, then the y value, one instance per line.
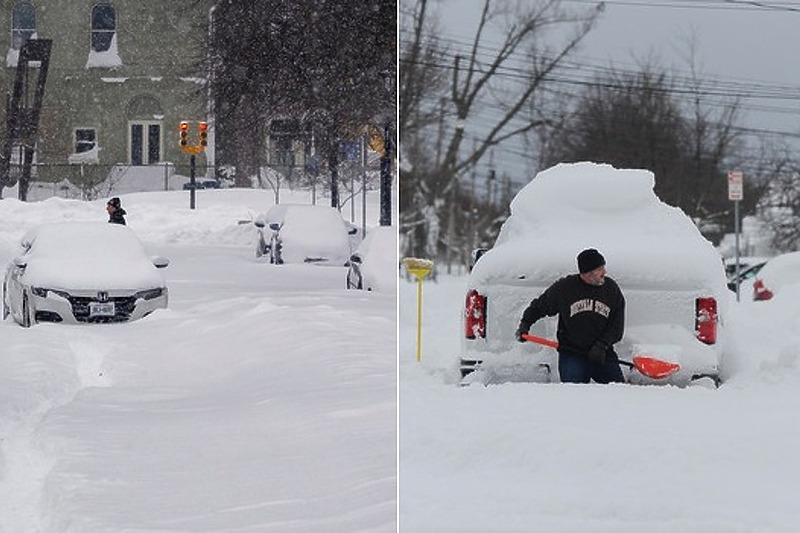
pixel 520 332
pixel 597 353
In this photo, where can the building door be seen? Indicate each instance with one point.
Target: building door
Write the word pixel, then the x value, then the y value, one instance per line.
pixel 145 143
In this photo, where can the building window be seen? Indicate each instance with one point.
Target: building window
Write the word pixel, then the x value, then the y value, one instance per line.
pixel 145 143
pixel 104 25
pixel 23 24
pixel 85 140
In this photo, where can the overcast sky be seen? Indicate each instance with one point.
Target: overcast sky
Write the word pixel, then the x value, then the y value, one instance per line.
pixel 746 48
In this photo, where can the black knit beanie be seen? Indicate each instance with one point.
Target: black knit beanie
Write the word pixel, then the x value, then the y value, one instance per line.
pixel 589 260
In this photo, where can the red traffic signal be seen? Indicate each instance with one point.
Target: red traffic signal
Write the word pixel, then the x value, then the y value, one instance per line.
pixel 202 129
pixel 184 133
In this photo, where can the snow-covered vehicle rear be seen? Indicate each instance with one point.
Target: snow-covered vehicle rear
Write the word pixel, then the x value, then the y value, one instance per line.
pixel 672 278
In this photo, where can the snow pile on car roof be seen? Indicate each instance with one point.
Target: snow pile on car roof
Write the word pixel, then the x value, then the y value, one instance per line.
pixel 574 206
pixel 89 255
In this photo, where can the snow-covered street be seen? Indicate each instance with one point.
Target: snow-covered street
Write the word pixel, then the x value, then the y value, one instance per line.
pixel 599 458
pixel 262 399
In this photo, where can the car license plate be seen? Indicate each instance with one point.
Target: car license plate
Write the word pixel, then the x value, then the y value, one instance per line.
pixel 101 308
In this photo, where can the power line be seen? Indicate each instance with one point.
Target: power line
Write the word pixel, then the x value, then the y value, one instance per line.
pixel 711 5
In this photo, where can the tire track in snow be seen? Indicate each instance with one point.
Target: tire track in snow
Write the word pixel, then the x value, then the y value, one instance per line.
pixel 35 378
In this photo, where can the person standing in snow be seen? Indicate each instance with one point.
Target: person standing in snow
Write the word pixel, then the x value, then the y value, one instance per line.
pixel 116 215
pixel 591 318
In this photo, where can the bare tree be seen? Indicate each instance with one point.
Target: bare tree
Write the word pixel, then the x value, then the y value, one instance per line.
pixel 326 62
pixel 645 120
pixel 422 76
pixel 477 83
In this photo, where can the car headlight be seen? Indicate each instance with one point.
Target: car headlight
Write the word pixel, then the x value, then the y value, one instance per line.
pixel 41 292
pixel 150 294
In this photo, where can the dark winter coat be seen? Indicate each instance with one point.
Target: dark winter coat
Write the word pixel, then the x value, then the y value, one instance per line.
pixel 586 313
pixel 117 216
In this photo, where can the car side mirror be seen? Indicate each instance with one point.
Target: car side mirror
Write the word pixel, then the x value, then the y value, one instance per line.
pixel 259 224
pixel 274 226
pixel 352 231
pixel 160 262
pixel 355 258
pixel 20 262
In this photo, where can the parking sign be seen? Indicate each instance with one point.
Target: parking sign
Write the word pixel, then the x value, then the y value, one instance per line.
pixel 735 185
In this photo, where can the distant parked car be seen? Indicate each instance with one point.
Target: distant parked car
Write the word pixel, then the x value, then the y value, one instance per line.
pixel 745 275
pixel 295 233
pixel 745 262
pixel 671 277
pixel 374 265
pixel 201 184
pixel 778 272
pixel 76 272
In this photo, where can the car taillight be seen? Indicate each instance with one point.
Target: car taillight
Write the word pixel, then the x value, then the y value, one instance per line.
pixel 705 320
pixel 760 292
pixel 475 315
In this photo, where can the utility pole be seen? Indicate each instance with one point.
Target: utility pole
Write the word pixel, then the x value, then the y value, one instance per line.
pixel 471 213
pixel 440 134
pixel 386 177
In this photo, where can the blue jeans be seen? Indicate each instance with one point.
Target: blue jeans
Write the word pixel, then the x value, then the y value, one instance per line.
pixel 577 368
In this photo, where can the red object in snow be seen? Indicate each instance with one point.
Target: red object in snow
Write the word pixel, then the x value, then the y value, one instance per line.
pixel 760 292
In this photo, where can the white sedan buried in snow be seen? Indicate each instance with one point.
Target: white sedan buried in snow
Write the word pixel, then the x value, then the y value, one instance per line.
pixel 672 278
pixel 299 233
pixel 77 272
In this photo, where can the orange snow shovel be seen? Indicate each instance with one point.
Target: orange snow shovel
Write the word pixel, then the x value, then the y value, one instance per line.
pixel 647 366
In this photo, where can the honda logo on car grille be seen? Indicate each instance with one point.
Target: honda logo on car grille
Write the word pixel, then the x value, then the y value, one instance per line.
pixel 102 296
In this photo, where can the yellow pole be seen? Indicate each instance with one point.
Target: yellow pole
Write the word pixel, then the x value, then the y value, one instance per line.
pixel 419 319
pixel 419 268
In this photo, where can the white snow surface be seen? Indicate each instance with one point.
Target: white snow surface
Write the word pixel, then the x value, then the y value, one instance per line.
pixel 620 458
pixel 263 399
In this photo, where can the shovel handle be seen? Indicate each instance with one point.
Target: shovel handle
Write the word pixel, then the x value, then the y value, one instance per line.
pixel 649 366
pixel 540 340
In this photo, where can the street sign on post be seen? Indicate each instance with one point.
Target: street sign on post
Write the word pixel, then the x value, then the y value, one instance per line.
pixel 735 194
pixel 735 186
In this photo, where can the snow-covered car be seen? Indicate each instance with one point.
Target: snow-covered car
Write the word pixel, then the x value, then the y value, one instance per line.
pixel 745 263
pixel 298 233
pixel 78 272
pixel 672 278
pixel 745 276
pixel 776 273
pixel 374 265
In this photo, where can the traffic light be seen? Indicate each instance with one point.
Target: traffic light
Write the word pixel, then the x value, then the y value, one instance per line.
pixel 375 141
pixel 202 128
pixel 184 133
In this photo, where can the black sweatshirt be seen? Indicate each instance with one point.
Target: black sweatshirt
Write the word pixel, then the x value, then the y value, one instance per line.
pixel 586 313
pixel 117 216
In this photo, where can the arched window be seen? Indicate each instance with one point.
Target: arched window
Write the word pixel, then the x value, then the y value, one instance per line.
pixel 104 25
pixel 23 24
